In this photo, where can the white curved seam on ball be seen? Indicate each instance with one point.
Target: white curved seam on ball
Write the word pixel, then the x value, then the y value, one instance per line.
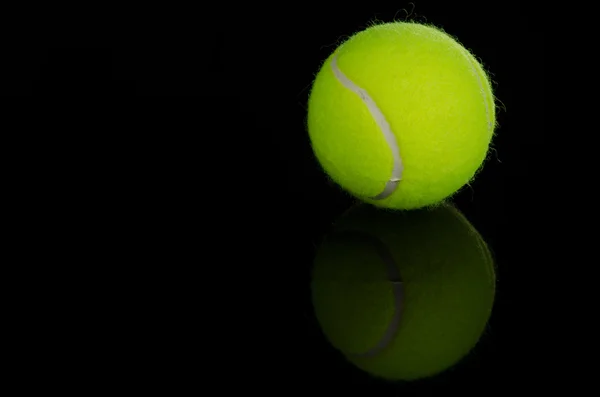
pixel 383 125
pixel 395 279
pixel 481 88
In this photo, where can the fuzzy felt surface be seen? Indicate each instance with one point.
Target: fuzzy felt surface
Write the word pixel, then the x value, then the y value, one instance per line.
pixel 433 93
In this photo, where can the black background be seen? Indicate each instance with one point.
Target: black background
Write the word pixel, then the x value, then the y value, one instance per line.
pixel 179 138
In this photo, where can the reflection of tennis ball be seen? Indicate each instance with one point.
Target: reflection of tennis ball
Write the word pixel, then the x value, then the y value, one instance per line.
pixel 403 295
pixel 401 115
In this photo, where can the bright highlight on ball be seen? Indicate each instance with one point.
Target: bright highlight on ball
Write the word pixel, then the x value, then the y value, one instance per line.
pixel 401 115
pixel 403 295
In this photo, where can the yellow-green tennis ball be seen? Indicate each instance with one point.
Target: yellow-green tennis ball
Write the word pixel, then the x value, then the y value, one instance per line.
pixel 403 295
pixel 401 115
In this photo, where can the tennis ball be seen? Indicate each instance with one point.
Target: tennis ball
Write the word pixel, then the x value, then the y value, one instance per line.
pixel 403 295
pixel 401 115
